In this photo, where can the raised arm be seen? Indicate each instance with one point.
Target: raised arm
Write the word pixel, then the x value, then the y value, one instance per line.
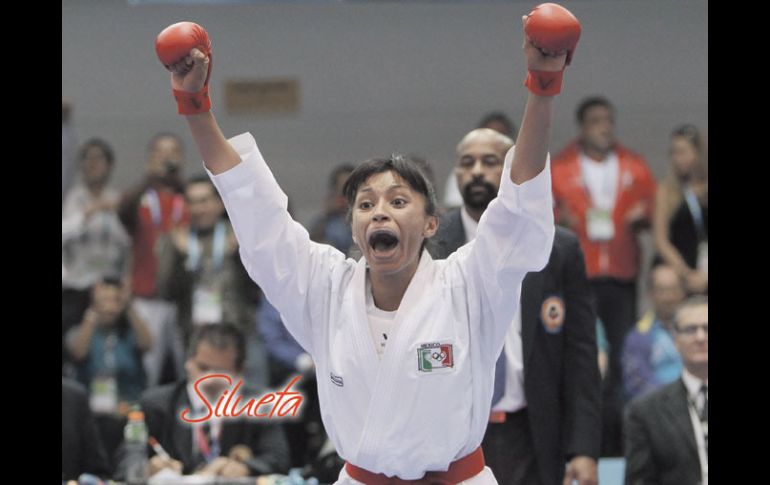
pixel 550 37
pixel 515 233
pixel 276 251
pixel 532 145
pixel 185 49
pixel 79 342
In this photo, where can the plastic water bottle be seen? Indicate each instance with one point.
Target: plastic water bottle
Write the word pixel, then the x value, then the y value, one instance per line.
pixel 295 477
pixel 135 436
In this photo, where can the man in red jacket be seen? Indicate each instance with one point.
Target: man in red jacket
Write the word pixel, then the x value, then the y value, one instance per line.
pixel 604 192
pixel 149 209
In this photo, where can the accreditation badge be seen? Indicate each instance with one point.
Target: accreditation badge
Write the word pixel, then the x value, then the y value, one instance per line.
pixel 104 394
pixel 207 306
pixel 599 225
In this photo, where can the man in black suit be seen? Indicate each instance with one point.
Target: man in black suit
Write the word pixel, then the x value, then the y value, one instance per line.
pixel 553 416
pixel 81 445
pixel 224 447
pixel 666 430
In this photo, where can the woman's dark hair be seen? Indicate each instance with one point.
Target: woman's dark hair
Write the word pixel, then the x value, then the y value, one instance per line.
pixel 405 167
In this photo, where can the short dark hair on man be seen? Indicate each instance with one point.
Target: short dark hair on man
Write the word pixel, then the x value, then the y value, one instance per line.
pixel 221 336
pixel 111 280
pixel 102 145
pixel 591 102
pixel 499 117
pixel 406 168
pixel 164 134
pixel 201 178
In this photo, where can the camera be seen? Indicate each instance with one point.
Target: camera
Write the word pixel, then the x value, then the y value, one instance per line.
pixel 171 167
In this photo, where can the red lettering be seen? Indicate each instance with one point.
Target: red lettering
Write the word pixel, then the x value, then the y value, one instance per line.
pixel 286 391
pixel 263 401
pixel 235 391
pixel 203 398
pixel 295 401
pixel 226 407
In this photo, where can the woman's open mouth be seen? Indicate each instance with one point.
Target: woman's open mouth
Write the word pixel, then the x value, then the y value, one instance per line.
pixel 383 242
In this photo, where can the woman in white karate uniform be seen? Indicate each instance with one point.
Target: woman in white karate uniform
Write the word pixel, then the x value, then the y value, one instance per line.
pixel 404 346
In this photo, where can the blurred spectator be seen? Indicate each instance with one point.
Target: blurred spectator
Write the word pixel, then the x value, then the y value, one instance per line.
pixel 667 429
pixel 81 445
pixel 681 221
pixel 650 358
pixel 499 121
pixel 225 447
pixel 94 243
pixel 200 270
pixel 67 147
pixel 331 227
pixel 148 210
pixel 107 346
pixel 604 192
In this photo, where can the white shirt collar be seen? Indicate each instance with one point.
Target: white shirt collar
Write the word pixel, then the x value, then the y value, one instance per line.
pixel 601 179
pixel 692 383
pixel 469 224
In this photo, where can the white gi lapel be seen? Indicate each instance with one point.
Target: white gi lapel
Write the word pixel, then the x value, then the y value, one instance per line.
pixel 402 336
pixel 365 352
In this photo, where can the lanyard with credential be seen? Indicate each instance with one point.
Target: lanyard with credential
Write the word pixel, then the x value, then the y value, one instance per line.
pixel 104 236
pixel 154 205
pixel 695 211
pixel 104 216
pixel 209 452
pixel 218 249
pixel 700 420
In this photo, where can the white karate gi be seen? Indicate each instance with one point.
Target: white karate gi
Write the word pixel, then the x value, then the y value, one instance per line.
pixel 391 416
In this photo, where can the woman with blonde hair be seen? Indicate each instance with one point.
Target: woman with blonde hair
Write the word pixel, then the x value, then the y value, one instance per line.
pixel 680 222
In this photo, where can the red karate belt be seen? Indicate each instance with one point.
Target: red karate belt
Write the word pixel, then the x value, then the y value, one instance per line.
pixel 459 471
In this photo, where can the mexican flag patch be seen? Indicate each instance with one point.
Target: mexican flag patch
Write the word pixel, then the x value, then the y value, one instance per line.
pixel 434 357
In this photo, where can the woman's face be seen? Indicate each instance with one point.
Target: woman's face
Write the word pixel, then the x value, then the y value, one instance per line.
pixel 389 223
pixel 684 156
